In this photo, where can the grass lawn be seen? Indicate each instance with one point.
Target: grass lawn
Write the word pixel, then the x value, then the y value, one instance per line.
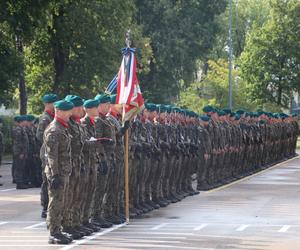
pixel 298 143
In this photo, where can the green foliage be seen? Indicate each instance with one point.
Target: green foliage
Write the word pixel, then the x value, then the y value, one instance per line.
pixel 73 46
pixel 213 90
pixel 270 61
pixel 245 15
pixel 10 65
pixel 81 46
pixel 181 33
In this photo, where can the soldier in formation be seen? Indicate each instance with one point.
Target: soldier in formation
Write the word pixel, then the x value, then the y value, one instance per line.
pixel 45 119
pixel 82 156
pixel 26 171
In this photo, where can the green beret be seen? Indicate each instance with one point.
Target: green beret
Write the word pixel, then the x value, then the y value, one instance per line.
pixel 150 106
pixel 232 114
pixel 91 103
pixel 194 114
pixel 49 98
pixel 227 111
pixel 63 105
pixel 240 111
pixel 21 118
pixel 30 118
pixel 76 100
pixel 17 118
pixel 113 99
pixel 168 108
pixel 237 117
pixel 161 108
pixel 102 98
pixel 207 109
pixel 175 109
pixel 221 113
pixel 204 118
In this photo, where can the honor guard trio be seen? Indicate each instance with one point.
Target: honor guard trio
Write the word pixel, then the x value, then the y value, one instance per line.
pixel 75 152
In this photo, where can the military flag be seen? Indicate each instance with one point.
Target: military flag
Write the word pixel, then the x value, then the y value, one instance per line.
pixel 129 94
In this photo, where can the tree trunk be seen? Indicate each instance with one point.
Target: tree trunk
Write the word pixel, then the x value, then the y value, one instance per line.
pixel 58 52
pixel 22 85
pixel 279 95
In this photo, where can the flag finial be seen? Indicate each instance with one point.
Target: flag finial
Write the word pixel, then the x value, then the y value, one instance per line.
pixel 128 38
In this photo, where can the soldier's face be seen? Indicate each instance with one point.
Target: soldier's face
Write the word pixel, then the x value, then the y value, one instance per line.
pixel 78 111
pixel 104 108
pixel 64 114
pixel 93 112
pixel 68 114
pixel 49 106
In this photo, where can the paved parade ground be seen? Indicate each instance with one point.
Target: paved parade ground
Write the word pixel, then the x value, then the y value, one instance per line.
pixel 258 212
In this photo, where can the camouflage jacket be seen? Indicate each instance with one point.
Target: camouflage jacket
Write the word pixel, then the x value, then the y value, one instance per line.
pixel 20 141
pixel 57 143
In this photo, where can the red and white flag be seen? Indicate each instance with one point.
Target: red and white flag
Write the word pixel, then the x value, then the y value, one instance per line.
pixel 129 94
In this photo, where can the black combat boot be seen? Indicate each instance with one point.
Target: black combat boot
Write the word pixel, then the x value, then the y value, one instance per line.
pixel 71 233
pixel 92 226
pixel 143 208
pixel 114 219
pixel 83 230
pixel 146 205
pixel 132 213
pixel 59 238
pixel 102 222
pixel 153 204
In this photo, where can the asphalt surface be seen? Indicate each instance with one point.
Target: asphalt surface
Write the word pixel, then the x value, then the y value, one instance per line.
pixel 258 212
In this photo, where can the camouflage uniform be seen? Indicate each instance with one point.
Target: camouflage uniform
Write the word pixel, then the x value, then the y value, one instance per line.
pixel 89 180
pixel 20 153
pixel 57 146
pixel 73 199
pixel 103 129
pixel 44 122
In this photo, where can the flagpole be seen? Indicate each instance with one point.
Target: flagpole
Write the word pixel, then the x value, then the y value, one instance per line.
pixel 126 170
pixel 126 153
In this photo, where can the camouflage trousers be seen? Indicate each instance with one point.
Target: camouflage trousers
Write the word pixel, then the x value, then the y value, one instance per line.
pixel 71 217
pixel 44 192
pixel 88 188
pixel 97 206
pixel 56 206
pixel 19 169
pixel 109 198
pixel 155 177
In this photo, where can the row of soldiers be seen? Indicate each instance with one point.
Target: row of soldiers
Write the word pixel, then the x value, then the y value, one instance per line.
pixel 26 167
pixel 82 157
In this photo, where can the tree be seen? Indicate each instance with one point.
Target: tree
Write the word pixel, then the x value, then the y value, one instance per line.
pixel 10 65
pixel 21 18
pixel 213 89
pixel 271 59
pixel 181 33
pixel 79 50
pixel 245 15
